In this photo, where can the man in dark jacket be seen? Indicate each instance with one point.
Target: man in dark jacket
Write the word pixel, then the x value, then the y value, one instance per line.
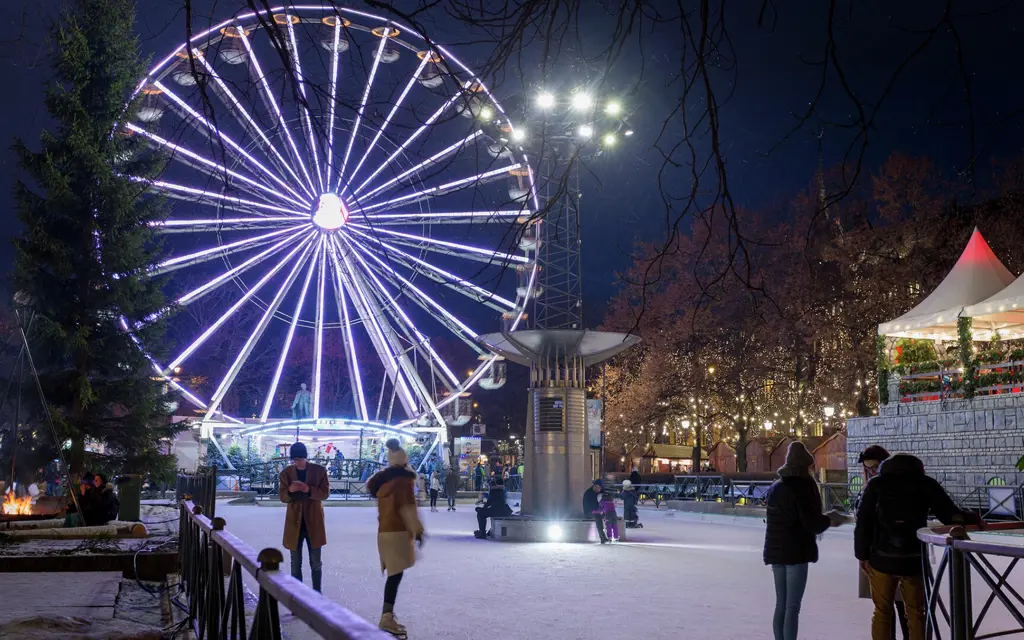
pixel 634 477
pixel 496 505
pixel 895 504
pixel 592 507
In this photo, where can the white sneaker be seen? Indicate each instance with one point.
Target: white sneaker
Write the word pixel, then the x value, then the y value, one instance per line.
pixel 389 623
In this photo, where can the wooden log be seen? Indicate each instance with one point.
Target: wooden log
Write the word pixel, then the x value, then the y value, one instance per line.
pixel 32 524
pixel 120 530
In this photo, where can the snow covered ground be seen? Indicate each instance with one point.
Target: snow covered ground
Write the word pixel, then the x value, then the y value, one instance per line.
pixel 679 577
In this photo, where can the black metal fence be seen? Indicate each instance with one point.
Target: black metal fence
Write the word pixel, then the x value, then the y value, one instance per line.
pixel 200 487
pixel 950 598
pixel 347 477
pixel 208 556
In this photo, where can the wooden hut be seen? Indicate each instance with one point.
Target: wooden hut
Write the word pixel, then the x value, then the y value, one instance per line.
pixel 758 460
pixel 777 454
pixel 831 453
pixel 722 457
pixel 667 458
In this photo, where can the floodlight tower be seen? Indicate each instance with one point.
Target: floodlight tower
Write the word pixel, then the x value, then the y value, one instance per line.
pixel 559 132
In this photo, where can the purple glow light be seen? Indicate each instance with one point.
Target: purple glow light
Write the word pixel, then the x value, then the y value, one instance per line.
pixel 160 268
pixel 243 223
pixel 238 109
pixel 300 80
pixel 318 344
pixel 332 104
pixel 219 168
pixel 442 189
pixel 350 345
pixel 171 187
pixel 276 380
pixel 235 307
pixel 426 163
pixel 254 337
pixel 197 117
pixel 269 97
pixel 434 116
pixel 451 276
pixel 391 114
pixel 342 183
pixel 504 257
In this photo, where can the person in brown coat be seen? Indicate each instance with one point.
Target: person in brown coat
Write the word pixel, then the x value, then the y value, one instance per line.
pixel 398 527
pixel 304 486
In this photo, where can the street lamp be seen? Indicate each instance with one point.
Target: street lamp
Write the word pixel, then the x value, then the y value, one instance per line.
pixel 545 100
pixel 830 411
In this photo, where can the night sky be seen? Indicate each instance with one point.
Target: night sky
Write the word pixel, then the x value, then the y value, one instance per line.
pixel 925 114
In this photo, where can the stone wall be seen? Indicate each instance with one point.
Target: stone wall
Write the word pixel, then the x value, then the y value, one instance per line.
pixel 960 442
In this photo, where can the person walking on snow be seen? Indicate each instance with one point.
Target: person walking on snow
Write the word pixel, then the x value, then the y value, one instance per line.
pixel 398 528
pixel 303 486
pixel 794 520
pixel 894 505
pixel 435 488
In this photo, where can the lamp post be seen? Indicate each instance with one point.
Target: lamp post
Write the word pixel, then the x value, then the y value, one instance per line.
pixel 829 412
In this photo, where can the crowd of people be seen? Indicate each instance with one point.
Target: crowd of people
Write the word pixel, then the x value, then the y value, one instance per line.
pixel 897 501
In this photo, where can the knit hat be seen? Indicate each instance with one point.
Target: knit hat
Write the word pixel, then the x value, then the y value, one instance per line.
pixel 393 444
pixel 398 458
pixel 626 484
pixel 297 451
pixel 798 460
pixel 875 452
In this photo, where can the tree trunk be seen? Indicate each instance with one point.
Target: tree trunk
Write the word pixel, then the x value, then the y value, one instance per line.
pixel 698 435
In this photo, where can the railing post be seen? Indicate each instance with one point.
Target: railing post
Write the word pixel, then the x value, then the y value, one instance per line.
pixel 959 588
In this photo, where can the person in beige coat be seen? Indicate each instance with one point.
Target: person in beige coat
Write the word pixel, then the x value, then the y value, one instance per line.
pixel 398 528
pixel 303 486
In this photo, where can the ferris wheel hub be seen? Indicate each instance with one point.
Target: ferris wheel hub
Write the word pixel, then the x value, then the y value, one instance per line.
pixel 331 213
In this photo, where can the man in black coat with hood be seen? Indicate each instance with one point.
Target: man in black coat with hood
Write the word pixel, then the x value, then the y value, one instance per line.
pixel 895 504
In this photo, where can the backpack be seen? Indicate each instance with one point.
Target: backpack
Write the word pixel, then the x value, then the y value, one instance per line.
pixel 899 515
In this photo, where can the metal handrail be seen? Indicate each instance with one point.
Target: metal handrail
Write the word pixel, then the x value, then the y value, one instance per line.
pixel 962 560
pixel 205 547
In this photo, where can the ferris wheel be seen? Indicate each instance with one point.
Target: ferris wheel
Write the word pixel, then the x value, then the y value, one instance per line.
pixel 347 204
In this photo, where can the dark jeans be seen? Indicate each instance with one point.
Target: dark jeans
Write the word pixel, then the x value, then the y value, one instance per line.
pixel 790 582
pixel 315 563
pixel 478 483
pixel 433 498
pixel 451 500
pixel 482 513
pixel 599 521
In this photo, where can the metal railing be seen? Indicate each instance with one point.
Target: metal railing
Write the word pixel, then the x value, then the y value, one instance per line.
pixel 208 555
pixel 200 487
pixel 962 560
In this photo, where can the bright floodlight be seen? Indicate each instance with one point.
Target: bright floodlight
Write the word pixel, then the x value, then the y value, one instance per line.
pixel 330 214
pixel 609 139
pixel 629 132
pixel 613 108
pixel 581 101
pixel 519 135
pixel 554 533
pixel 545 100
pixel 486 113
pixel 586 131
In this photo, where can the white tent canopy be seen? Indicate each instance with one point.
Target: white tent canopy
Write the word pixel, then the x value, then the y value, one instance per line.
pixel 1003 312
pixel 977 275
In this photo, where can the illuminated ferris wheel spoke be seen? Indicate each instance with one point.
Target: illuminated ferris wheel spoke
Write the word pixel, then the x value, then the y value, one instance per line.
pixel 276 380
pixel 210 253
pixel 432 160
pixel 387 119
pixel 442 189
pixel 227 142
pixel 209 167
pixel 242 114
pixel 318 343
pixel 412 137
pixel 332 105
pixel 373 320
pixel 454 217
pixel 457 326
pixel 235 307
pixel 443 246
pixel 254 337
pixel 300 80
pixel 211 285
pixel 202 196
pixel 402 319
pixel 362 107
pixel 358 397
pixel 222 224
pixel 452 281
pixel 268 98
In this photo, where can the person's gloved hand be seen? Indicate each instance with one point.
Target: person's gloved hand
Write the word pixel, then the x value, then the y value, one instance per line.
pixel 420 537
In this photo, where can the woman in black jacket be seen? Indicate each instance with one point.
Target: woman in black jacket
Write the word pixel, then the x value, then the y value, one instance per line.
pixel 794 521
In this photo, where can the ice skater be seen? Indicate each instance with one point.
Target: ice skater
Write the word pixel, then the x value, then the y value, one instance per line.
pixel 398 528
pixel 592 508
pixel 435 488
pixel 611 520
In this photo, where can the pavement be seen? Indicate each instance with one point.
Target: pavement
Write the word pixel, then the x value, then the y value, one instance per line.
pixel 681 576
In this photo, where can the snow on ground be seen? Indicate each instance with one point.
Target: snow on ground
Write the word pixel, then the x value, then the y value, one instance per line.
pixel 679 577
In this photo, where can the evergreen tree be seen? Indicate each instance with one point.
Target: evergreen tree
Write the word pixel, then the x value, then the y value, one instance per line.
pixel 87 244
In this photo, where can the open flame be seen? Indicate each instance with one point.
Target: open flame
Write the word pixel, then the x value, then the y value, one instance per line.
pixel 17 506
